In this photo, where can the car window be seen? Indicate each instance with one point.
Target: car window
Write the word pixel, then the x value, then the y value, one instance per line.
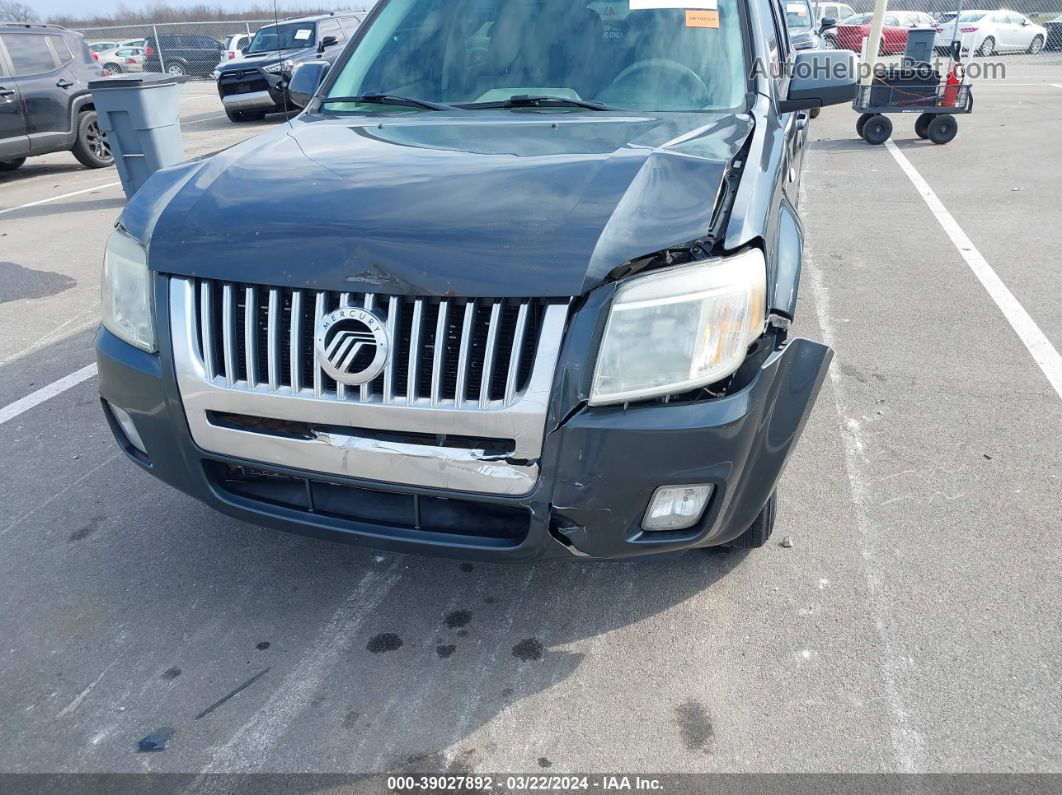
pixel 473 51
pixel 857 19
pixel 844 11
pixel 29 53
pixel 891 20
pixel 286 36
pixel 330 27
pixel 975 17
pixel 798 14
pixel 62 49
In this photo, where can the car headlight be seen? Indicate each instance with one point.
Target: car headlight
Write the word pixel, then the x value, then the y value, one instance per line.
pixel 275 68
pixel 681 328
pixel 128 303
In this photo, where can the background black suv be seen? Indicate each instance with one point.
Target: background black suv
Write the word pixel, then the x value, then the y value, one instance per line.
pixel 44 101
pixel 257 83
pixel 184 54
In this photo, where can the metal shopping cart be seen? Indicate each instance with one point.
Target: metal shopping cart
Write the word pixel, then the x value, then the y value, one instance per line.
pixel 936 102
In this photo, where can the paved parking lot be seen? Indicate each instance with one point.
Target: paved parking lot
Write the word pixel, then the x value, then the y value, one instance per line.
pixel 912 626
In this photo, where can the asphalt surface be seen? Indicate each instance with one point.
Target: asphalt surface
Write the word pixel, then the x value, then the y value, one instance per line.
pixel 912 626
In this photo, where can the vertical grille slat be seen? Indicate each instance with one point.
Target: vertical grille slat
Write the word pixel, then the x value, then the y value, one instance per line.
pixel 366 388
pixel 228 334
pixel 439 354
pixel 475 353
pixel 341 389
pixel 250 334
pixel 273 332
pixel 462 355
pixel 488 355
pixel 414 351
pixel 512 375
pixel 295 341
pixel 318 374
pixel 206 325
pixel 389 367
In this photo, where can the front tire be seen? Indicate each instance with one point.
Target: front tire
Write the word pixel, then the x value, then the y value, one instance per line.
pixel 942 128
pixel 12 165
pixel 91 147
pixel 921 123
pixel 761 528
pixel 1037 44
pixel 987 48
pixel 241 116
pixel 863 118
pixel 877 129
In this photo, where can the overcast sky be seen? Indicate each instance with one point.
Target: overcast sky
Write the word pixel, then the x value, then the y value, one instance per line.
pixel 80 8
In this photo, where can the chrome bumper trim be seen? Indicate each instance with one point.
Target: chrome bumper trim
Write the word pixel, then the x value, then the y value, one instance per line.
pixel 255 99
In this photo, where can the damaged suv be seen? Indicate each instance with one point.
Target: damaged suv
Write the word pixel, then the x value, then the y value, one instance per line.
pixel 516 284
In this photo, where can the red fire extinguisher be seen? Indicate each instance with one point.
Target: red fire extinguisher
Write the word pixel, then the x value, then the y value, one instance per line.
pixel 951 86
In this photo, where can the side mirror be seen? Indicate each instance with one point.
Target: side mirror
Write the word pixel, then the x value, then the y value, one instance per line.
pixel 821 77
pixel 244 48
pixel 327 41
pixel 1024 22
pixel 826 23
pixel 305 81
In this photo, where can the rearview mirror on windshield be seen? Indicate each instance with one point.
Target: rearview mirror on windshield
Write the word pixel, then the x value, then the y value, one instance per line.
pixel 821 77
pixel 305 81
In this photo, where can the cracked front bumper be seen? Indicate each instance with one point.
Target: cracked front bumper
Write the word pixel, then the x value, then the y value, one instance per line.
pixel 599 469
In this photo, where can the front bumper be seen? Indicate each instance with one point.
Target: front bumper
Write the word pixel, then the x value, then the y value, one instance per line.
pixel 598 470
pixel 251 89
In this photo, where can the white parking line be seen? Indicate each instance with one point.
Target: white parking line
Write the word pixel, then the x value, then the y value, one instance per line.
pixel 208 118
pixel 60 196
pixel 21 406
pixel 1043 352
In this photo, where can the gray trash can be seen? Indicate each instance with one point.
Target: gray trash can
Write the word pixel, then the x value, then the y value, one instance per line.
pixel 920 45
pixel 141 116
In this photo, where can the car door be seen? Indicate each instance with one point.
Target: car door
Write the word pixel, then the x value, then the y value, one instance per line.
pixel 207 54
pixel 13 139
pixel 1023 32
pixel 45 88
pixel 795 124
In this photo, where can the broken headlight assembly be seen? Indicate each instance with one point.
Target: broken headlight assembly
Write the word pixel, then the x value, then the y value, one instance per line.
pixel 681 328
pixel 128 305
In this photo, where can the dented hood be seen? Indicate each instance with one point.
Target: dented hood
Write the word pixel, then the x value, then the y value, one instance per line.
pixel 473 204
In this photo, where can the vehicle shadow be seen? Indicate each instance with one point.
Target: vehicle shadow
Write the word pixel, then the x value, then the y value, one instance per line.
pixel 34 168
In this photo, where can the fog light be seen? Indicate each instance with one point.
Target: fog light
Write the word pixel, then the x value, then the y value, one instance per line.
pixel 128 427
pixel 676 507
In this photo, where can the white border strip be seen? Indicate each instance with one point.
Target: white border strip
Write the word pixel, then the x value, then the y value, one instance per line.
pixel 12 410
pixel 60 196
pixel 1043 352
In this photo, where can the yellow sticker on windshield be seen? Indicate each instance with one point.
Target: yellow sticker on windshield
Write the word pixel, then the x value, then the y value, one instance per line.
pixel 702 19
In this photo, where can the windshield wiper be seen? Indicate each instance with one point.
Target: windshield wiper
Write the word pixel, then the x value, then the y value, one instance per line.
pixel 376 98
pixel 527 101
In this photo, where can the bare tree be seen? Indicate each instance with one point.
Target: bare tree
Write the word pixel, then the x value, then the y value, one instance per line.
pixel 13 11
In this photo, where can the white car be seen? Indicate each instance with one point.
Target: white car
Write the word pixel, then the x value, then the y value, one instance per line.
pixel 988 32
pixel 122 59
pixel 234 47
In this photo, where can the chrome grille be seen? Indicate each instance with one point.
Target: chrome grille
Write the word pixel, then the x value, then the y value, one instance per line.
pixel 456 352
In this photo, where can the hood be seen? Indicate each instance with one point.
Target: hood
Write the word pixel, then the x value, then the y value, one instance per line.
pixel 492 203
pixel 263 58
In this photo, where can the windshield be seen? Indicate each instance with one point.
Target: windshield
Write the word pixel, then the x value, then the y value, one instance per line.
pixel 858 19
pixel 614 52
pixel 798 15
pixel 970 17
pixel 292 36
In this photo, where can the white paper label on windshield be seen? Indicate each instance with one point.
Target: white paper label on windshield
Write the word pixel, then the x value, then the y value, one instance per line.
pixel 302 34
pixel 796 8
pixel 642 5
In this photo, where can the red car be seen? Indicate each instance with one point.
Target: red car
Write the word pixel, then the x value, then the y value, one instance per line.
pixel 850 34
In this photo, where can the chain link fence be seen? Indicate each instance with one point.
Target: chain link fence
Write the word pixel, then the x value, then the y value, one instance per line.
pixel 1017 41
